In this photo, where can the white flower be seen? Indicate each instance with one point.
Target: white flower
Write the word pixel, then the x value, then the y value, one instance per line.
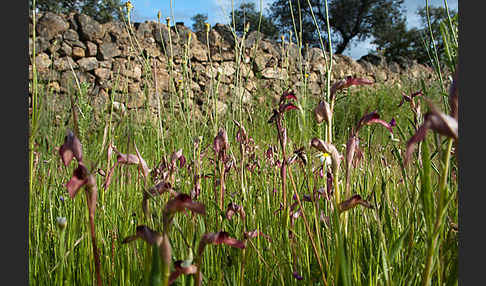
pixel 325 158
pixel 61 223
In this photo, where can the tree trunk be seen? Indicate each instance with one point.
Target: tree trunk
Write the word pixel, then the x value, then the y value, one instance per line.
pixel 342 45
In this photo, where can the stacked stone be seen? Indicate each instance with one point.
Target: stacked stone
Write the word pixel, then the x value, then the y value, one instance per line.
pixel 109 59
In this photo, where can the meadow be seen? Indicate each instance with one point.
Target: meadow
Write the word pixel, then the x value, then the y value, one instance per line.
pixel 345 189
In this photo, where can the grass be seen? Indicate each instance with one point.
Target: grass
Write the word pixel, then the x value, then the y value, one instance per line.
pixel 406 238
pixel 396 216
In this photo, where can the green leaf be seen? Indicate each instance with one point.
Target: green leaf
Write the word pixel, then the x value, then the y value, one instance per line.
pixel 397 245
pixel 426 194
pixel 155 273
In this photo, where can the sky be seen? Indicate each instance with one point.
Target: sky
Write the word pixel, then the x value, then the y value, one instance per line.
pixel 218 11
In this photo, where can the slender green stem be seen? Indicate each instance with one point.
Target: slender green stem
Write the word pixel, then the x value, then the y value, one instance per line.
pixel 307 228
pixel 434 239
pixel 329 97
pixel 33 120
pixel 432 39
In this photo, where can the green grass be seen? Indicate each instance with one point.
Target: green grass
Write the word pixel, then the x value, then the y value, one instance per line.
pixel 385 245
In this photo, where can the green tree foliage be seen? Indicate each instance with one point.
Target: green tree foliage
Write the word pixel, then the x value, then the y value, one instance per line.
pixel 400 44
pixel 199 21
pixel 438 15
pixel 395 42
pixel 247 14
pixel 349 19
pixel 101 10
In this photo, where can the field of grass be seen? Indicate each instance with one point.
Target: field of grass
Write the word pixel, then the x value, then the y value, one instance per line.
pixel 295 210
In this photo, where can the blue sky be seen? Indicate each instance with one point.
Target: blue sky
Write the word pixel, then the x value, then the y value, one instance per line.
pixel 218 12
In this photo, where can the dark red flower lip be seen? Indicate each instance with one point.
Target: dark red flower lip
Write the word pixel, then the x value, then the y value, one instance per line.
pixel 79 179
pixel 146 234
pixel 286 107
pixel 288 95
pixel 132 159
pixel 354 201
pixel 255 233
pixel 184 201
pixel 221 237
pixel 436 121
pixel 233 209
pixel 374 117
pixel 349 81
pixel 71 148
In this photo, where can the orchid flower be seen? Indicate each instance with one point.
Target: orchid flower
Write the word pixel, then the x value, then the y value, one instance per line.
pixel 82 178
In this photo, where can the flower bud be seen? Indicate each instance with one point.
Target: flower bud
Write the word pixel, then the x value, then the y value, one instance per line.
pixel 61 223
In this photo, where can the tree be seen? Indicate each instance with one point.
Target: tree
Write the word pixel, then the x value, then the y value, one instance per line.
pixel 349 19
pixel 437 16
pixel 199 22
pixel 400 43
pixel 396 43
pixel 101 10
pixel 246 14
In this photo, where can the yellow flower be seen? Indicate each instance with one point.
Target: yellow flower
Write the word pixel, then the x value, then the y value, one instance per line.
pixel 247 27
pixel 168 21
pixel 207 27
pixel 129 6
pixel 159 15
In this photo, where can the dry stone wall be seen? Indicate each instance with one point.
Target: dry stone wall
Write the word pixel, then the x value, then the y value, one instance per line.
pixel 111 57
